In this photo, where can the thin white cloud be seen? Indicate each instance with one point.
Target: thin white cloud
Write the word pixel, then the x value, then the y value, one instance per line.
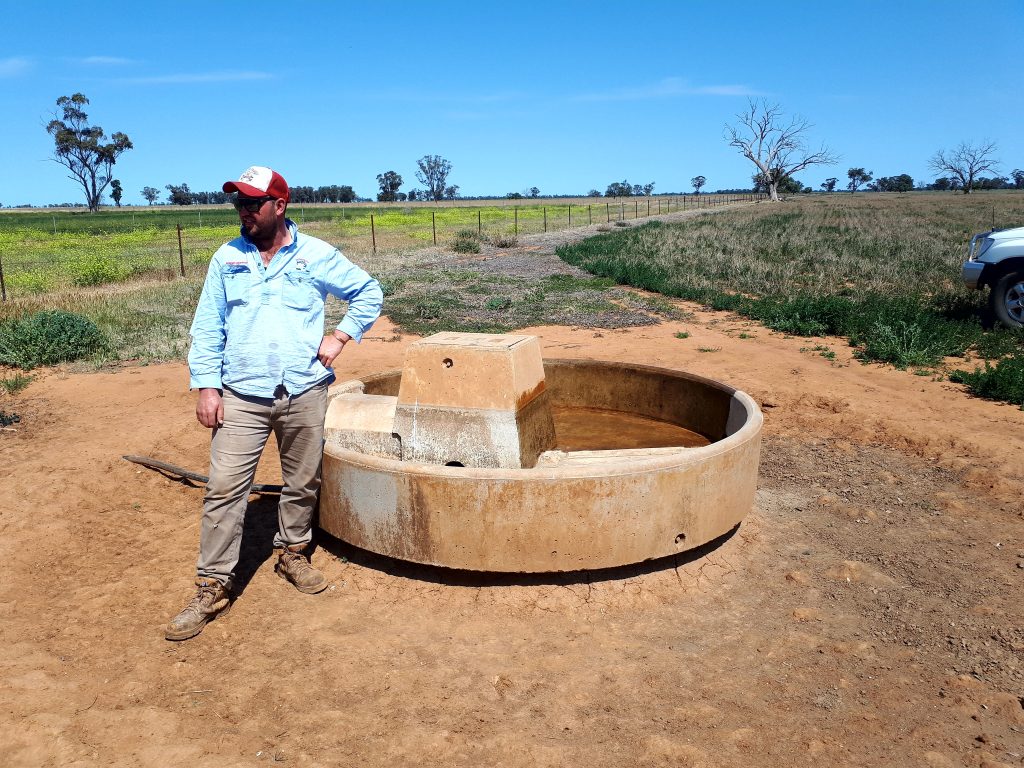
pixel 199 77
pixel 667 88
pixel 727 90
pixel 14 66
pixel 111 61
pixel 424 97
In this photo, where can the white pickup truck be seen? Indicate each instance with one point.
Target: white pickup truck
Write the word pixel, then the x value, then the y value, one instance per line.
pixel 996 259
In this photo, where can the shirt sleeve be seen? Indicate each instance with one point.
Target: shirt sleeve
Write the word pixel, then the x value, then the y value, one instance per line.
pixel 341 278
pixel 206 355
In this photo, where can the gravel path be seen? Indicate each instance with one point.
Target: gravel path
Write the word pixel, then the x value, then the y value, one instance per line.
pixel 534 256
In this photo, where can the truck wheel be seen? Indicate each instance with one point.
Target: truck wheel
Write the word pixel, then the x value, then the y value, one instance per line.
pixel 1007 299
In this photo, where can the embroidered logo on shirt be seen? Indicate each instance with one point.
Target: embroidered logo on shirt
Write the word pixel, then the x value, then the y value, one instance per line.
pixel 301 264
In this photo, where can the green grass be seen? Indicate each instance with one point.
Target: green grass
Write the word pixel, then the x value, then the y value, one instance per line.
pixel 12 385
pixel 48 337
pixel 1002 381
pixel 43 251
pixel 882 271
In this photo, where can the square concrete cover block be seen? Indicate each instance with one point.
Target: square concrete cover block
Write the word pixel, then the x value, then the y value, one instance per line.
pixel 476 400
pixel 365 423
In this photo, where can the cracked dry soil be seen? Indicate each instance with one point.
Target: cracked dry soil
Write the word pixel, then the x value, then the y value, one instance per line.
pixel 867 612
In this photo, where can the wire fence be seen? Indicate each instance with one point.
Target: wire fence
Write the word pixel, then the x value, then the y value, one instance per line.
pixel 44 252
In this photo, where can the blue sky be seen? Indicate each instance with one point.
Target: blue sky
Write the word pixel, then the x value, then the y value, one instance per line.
pixel 565 96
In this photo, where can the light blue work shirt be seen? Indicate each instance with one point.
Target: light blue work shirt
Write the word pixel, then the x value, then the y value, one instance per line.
pixel 258 327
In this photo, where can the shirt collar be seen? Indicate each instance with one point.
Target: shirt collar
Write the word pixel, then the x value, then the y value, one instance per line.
pixel 293 230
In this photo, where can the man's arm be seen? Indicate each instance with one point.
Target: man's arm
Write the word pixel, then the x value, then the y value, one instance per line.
pixel 345 280
pixel 206 355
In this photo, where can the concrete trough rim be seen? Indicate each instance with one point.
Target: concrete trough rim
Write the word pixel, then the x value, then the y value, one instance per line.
pixel 581 512
pixel 634 464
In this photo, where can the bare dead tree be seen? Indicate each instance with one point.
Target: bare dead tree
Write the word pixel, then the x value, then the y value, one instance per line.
pixel 966 162
pixel 775 146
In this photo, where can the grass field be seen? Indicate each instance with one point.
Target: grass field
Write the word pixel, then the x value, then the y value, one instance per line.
pixel 45 251
pixel 881 270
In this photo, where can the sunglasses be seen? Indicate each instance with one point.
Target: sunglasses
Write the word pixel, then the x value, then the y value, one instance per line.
pixel 250 204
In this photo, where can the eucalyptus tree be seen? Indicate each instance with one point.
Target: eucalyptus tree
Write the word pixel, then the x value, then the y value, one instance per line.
pixel 85 150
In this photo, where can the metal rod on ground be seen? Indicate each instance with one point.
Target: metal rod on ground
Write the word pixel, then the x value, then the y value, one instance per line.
pixel 163 466
pixel 373 233
pixel 181 253
pixel 433 224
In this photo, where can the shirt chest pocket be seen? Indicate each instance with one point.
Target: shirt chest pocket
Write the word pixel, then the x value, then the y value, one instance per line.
pixel 236 287
pixel 298 291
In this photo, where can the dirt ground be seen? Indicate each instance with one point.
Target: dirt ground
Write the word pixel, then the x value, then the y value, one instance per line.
pixel 867 612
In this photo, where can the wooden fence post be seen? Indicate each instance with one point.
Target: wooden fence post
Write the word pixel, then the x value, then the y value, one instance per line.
pixel 545 218
pixel 181 252
pixel 3 286
pixel 479 226
pixel 433 224
pixel 515 211
pixel 373 233
pixel 570 215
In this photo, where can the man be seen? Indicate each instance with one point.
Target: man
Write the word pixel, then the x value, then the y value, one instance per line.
pixel 262 363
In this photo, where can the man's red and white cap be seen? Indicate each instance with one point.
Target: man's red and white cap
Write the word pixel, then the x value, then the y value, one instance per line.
pixel 259 181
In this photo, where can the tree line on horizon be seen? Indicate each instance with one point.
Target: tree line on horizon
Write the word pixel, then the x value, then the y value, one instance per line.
pixel 776 146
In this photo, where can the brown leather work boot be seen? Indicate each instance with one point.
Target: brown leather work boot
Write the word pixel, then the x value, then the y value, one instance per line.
pixel 293 565
pixel 211 599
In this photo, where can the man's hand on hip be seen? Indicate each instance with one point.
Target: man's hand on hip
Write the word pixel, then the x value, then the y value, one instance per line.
pixel 210 408
pixel 331 346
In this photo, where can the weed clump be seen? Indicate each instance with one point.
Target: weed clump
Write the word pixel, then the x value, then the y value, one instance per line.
pixel 466 241
pixel 12 385
pixel 1002 381
pixel 505 240
pixel 47 338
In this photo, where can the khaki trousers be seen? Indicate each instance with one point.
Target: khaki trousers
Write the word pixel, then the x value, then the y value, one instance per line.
pixel 235 449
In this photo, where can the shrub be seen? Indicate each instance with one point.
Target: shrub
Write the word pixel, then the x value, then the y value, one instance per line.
pixel 1002 381
pixel 466 241
pixel 48 338
pixel 506 240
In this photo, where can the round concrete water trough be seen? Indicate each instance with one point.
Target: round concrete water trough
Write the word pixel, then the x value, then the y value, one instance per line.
pixel 573 509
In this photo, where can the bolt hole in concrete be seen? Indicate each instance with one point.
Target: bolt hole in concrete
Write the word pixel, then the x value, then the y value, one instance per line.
pixel 607 459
